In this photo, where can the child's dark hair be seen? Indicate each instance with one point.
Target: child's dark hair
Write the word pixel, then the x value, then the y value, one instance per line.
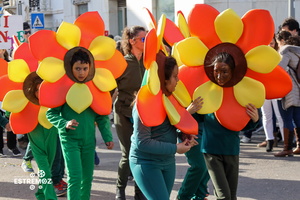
pixel 224 57
pixel 169 67
pixel 81 56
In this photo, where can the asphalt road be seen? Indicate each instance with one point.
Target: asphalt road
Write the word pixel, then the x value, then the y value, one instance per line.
pixel 262 176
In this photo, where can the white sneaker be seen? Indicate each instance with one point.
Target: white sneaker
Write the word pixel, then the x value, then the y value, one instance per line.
pixel 245 139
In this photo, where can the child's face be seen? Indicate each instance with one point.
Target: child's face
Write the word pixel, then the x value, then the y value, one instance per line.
pixel 80 70
pixel 222 73
pixel 172 82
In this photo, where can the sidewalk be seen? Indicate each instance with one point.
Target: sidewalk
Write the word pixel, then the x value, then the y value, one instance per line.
pixel 262 176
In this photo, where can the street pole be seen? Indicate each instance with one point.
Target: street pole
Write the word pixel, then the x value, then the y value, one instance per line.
pixel 291 8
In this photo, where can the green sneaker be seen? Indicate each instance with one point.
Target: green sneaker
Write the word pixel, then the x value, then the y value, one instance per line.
pixel 26 166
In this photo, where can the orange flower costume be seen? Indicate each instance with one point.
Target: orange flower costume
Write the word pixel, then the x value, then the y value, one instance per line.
pixel 153 104
pixel 257 75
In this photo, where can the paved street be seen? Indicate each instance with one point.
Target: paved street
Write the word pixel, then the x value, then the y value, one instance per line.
pixel 262 176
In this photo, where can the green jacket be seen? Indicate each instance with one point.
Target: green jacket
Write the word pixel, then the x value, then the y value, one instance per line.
pixel 59 117
pixel 128 85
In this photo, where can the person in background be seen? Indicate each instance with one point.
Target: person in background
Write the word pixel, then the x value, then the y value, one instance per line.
pixel 291 102
pixel 127 86
pixel 291 25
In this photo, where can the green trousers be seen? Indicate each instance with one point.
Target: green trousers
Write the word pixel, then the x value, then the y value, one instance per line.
pixel 79 159
pixel 223 171
pixel 43 145
pixel 194 185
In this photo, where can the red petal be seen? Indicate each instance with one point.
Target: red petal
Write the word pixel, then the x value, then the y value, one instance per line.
pixel 258 29
pixel 43 44
pixel 91 26
pixel 150 49
pixel 3 68
pixel 277 83
pixel 23 52
pixel 54 94
pixel 232 115
pixel 26 120
pixel 150 107
pixel 8 85
pixel 201 23
pixel 117 64
pixel 172 34
pixel 102 102
pixel 187 123
pixel 151 17
pixel 192 77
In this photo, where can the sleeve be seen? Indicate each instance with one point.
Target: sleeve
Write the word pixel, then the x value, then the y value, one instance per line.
pixel 55 118
pixel 103 124
pixel 3 121
pixel 145 142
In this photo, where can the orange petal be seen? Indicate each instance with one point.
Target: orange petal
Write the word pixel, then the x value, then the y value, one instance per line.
pixel 150 20
pixel 43 44
pixel 91 25
pixel 102 102
pixel 116 65
pixel 201 23
pixel 54 94
pixel 23 52
pixel 3 68
pixel 187 123
pixel 150 107
pixel 150 49
pixel 192 77
pixel 258 29
pixel 277 83
pixel 26 120
pixel 8 85
pixel 232 115
pixel 172 34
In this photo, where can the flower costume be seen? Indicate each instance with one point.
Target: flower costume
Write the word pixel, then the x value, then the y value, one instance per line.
pixel 87 101
pixel 257 76
pixel 153 93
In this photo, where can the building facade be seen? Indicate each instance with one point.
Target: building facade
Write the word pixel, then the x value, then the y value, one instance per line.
pixel 120 13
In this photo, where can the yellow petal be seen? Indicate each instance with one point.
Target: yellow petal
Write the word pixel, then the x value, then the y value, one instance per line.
pixel 229 26
pixel 153 82
pixel 79 97
pixel 43 119
pixel 212 95
pixel 175 54
pixel 18 70
pixel 192 51
pixel 248 91
pixel 51 69
pixel 172 113
pixel 102 48
pixel 182 95
pixel 14 101
pixel 182 25
pixel 160 30
pixel 68 35
pixel 104 80
pixel 262 59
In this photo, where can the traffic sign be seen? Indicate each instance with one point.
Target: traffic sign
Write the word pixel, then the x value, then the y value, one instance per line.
pixel 37 20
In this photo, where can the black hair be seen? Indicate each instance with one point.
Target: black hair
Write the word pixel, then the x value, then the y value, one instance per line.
pixel 81 56
pixel 291 23
pixel 283 35
pixel 224 57
pixel 293 40
pixel 26 26
pixel 169 67
pixel 129 33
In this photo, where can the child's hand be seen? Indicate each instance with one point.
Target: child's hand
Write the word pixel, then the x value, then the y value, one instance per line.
pixel 195 105
pixel 252 112
pixel 109 145
pixel 183 146
pixel 71 124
